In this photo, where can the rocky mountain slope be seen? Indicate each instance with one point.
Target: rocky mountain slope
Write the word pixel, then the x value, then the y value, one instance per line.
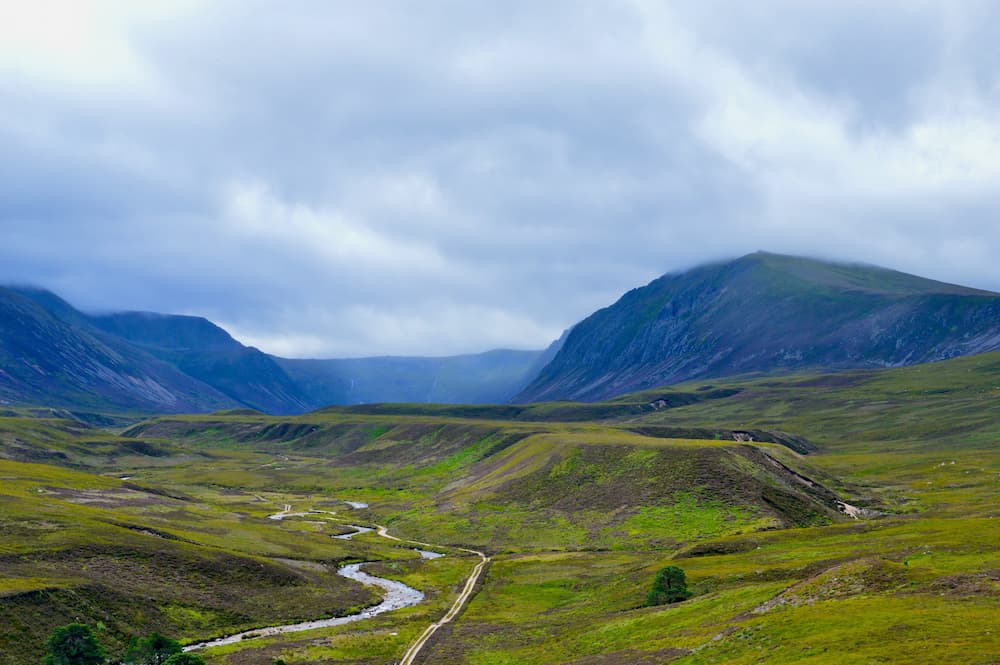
pixel 763 313
pixel 766 313
pixel 208 353
pixel 53 354
pixel 58 360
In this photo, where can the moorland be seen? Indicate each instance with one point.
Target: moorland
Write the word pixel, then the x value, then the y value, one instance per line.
pixel 842 517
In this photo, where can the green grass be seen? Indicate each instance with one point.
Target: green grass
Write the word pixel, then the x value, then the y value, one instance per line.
pixel 914 628
pixel 381 639
pixel 690 518
pixel 579 514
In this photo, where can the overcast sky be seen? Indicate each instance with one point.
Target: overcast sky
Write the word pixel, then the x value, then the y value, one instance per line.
pixel 357 178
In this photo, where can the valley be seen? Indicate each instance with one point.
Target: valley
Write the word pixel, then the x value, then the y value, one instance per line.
pixel 164 525
pixel 522 333
pixel 760 314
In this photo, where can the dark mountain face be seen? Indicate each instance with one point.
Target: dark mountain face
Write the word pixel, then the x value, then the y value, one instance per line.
pixel 58 360
pixel 52 354
pixel 203 350
pixel 766 313
pixel 761 313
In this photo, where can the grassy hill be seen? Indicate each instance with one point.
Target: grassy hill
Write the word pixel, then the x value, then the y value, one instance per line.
pixel 579 504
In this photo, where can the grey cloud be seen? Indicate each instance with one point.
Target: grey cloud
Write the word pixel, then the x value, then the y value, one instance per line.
pixel 343 179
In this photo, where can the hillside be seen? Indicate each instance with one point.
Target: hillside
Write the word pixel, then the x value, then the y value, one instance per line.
pixel 54 355
pixel 766 313
pixel 745 485
pixel 61 361
pixel 203 350
pixel 763 313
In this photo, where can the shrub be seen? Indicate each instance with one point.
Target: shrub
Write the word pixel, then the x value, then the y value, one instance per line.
pixel 668 587
pixel 154 649
pixel 185 659
pixel 74 644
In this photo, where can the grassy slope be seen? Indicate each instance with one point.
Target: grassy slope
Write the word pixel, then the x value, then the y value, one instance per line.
pixel 915 588
pixel 579 531
pixel 512 485
pixel 76 544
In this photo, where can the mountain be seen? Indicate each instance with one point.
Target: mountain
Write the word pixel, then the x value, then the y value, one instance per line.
pixel 766 313
pixel 762 313
pixel 481 378
pixel 203 350
pixel 53 354
pixel 50 355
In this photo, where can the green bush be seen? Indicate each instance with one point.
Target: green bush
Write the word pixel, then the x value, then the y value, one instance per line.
pixel 154 649
pixel 74 644
pixel 668 587
pixel 185 659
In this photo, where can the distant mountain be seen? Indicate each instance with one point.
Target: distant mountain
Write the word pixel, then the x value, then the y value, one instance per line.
pixel 53 354
pixel 763 313
pixel 203 350
pixel 50 355
pixel 766 313
pixel 490 377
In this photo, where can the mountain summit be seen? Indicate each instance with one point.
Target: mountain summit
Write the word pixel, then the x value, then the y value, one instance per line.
pixel 765 313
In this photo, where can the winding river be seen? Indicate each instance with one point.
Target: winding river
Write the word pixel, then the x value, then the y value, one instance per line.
pixel 357 530
pixel 397 594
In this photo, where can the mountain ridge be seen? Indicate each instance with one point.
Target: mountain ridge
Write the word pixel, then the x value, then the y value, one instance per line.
pixel 207 352
pixel 766 312
pixel 52 360
pixel 760 313
pixel 147 362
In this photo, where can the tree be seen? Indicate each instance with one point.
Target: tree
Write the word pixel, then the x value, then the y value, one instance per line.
pixel 154 649
pixel 74 644
pixel 668 587
pixel 185 659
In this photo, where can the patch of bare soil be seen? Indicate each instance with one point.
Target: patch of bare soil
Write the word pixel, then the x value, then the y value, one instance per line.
pixel 976 584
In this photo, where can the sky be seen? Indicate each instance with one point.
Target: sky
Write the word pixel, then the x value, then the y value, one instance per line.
pixel 336 179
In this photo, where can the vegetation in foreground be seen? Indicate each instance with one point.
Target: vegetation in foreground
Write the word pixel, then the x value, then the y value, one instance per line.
pixel 775 569
pixel 74 644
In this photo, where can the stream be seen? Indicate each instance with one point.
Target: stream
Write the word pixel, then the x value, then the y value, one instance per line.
pixel 397 594
pixel 357 530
